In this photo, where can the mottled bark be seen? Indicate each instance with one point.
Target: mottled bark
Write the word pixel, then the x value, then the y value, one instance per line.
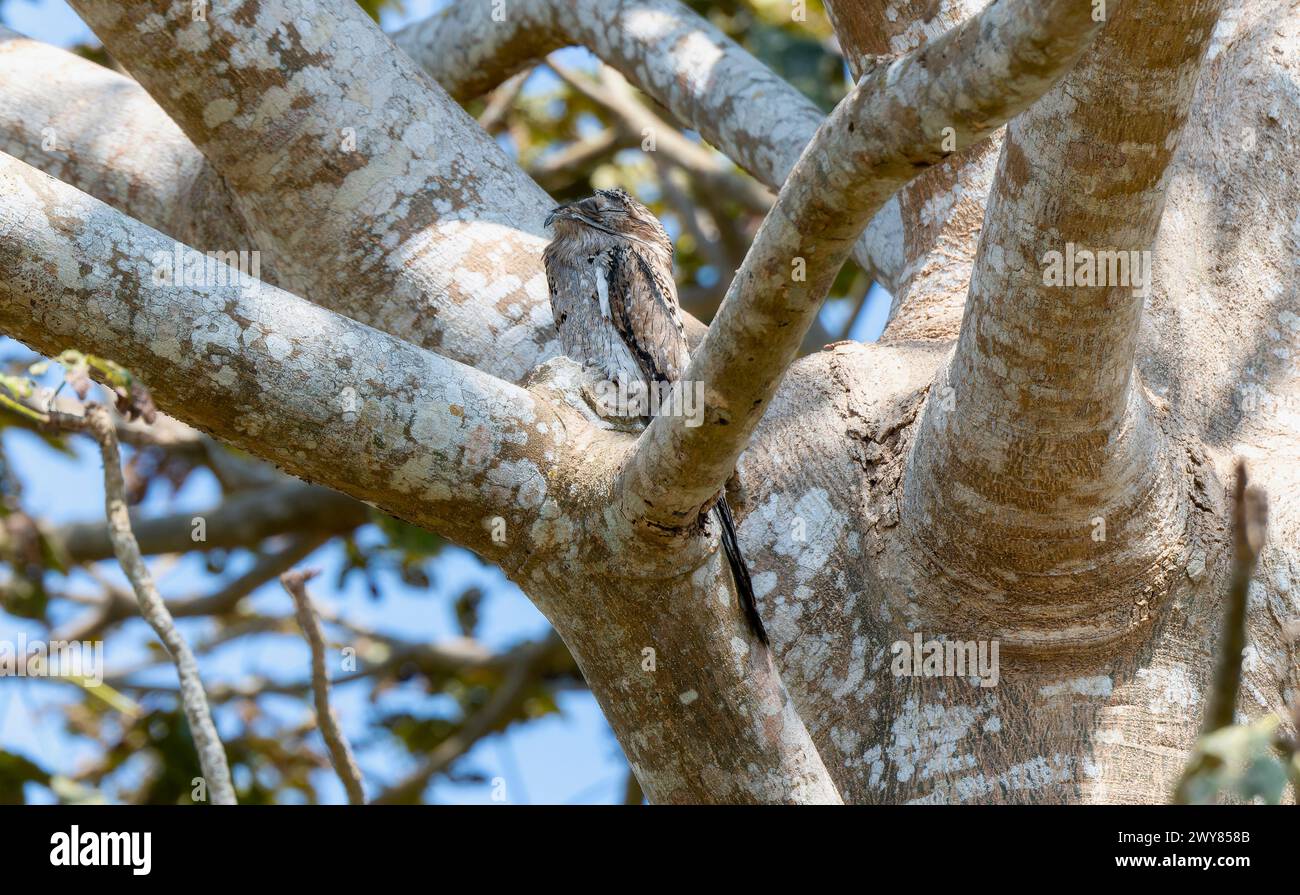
pixel 1040 428
pixel 941 211
pixel 351 190
pixel 320 395
pixel 519 476
pixel 100 132
pixel 857 535
pixel 890 127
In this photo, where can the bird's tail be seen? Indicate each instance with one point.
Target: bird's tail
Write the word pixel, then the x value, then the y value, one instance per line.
pixel 739 574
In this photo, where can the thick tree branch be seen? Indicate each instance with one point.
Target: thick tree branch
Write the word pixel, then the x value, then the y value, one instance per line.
pixel 890 127
pixel 1043 438
pixel 869 28
pixel 441 445
pixel 324 397
pixel 99 131
pixel 943 208
pixel 382 200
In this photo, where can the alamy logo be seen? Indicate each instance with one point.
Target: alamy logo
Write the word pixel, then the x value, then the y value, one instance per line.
pixel 681 398
pixel 77 849
pixel 183 266
pixel 1284 410
pixel 1102 267
pixel 946 658
pixel 77 659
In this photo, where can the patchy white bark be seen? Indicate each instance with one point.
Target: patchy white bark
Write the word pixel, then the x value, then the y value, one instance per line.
pixel 892 125
pixel 353 192
pixel 831 492
pixel 320 395
pixel 98 131
pixel 941 211
pixel 1043 448
pixel 512 474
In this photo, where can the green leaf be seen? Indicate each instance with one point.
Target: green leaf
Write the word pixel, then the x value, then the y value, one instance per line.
pixel 1239 760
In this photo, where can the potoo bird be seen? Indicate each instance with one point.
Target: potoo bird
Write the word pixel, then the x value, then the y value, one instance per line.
pixel 610 271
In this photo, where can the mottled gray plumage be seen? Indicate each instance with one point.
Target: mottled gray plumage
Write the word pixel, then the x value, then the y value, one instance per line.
pixel 610 273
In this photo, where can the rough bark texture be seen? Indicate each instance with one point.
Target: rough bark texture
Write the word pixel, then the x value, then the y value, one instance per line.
pixel 874 503
pixel 940 212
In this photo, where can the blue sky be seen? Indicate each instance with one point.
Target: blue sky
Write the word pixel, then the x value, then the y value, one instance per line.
pixel 572 757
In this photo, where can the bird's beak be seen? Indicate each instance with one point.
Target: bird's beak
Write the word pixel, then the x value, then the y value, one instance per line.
pixel 556 212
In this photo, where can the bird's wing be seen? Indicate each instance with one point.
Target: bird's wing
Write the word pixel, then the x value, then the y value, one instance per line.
pixel 643 308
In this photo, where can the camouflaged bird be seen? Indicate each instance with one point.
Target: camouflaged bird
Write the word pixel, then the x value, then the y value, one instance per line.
pixel 610 272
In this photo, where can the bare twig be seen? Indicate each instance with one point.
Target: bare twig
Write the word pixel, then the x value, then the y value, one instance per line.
pixel 345 764
pixel 212 756
pixel 1249 524
pixel 118 607
pixel 502 100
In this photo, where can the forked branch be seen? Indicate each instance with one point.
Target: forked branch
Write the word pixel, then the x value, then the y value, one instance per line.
pixel 899 120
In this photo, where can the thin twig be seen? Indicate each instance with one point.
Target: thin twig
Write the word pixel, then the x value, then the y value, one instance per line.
pixel 345 763
pixel 212 755
pixel 1249 523
pixel 501 102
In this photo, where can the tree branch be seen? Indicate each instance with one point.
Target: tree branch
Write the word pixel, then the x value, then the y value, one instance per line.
pixel 869 28
pixel 118 607
pixel 212 756
pixel 1249 528
pixel 241 520
pixel 99 131
pixel 324 397
pixel 890 127
pixel 524 661
pixel 1042 432
pixel 615 95
pixel 494 114
pixel 943 208
pixel 341 757
pixel 387 203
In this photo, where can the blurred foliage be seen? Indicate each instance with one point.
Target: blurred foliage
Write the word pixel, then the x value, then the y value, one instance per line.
pixel 799 51
pixel 374 8
pixel 15 773
pixel 1243 762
